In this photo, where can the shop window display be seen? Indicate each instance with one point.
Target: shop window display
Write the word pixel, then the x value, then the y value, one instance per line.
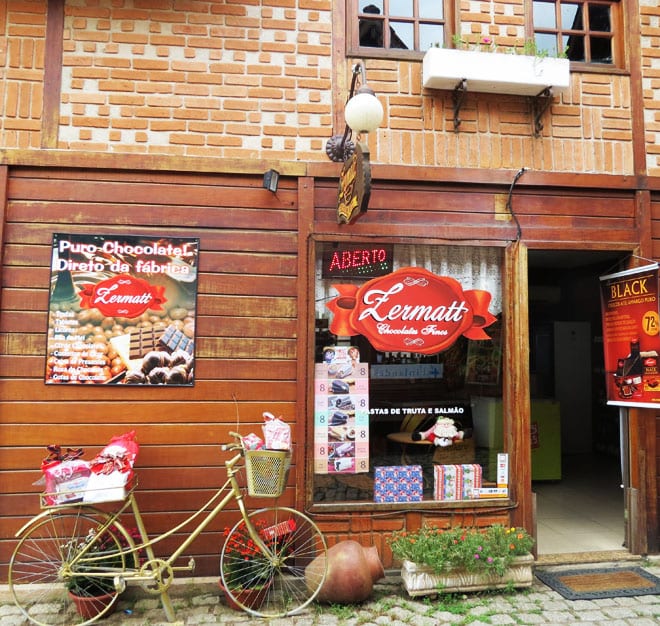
pixel 408 344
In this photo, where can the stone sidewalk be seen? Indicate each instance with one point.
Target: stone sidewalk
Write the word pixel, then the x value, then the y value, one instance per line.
pixel 198 602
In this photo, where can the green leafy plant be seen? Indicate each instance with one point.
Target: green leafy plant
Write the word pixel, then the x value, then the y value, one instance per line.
pixel 489 550
pixel 487 44
pixel 103 556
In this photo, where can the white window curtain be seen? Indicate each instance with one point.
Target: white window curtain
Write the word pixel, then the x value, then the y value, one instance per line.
pixel 473 267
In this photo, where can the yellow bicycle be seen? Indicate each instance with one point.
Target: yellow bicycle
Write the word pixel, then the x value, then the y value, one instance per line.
pixel 74 550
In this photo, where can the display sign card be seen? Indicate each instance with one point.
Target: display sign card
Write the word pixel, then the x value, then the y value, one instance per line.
pixel 356 260
pixel 122 310
pixel 410 310
pixel 631 343
pixel 341 413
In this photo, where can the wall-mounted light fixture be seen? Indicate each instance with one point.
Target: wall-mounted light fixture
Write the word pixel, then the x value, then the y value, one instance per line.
pixel 271 180
pixel 363 114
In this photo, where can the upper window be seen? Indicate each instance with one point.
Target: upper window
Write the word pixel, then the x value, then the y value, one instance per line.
pixel 586 31
pixel 414 25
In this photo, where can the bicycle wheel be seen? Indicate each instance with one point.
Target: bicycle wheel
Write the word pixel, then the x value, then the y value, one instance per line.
pixel 273 584
pixel 47 563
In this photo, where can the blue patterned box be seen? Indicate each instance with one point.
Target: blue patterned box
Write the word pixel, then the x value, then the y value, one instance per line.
pixel 398 483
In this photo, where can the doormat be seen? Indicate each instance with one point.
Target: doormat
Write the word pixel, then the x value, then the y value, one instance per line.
pixel 600 582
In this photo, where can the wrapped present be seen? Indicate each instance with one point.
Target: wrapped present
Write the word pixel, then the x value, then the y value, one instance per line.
pixel 112 470
pixel 398 483
pixel 456 482
pixel 65 480
pixel 277 433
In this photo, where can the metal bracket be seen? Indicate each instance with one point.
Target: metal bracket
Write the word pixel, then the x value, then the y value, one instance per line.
pixel 540 103
pixel 458 97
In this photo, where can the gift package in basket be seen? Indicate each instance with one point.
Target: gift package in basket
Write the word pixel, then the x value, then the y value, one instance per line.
pixel 107 477
pixel 267 461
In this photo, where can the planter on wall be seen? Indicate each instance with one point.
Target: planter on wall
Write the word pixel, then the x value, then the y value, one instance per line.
pixel 421 580
pixel 494 72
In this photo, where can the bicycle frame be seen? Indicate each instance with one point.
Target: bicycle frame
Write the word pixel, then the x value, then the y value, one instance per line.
pixel 228 491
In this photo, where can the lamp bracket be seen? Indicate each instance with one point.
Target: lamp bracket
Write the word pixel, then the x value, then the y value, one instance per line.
pixel 340 148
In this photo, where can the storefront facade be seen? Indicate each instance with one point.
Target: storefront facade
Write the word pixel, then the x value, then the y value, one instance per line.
pixel 453 202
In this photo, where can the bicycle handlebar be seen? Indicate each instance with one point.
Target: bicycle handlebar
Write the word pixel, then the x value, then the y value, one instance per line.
pixel 237 445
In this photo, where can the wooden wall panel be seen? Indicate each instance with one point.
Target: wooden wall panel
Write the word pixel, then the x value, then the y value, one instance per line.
pixel 245 344
pixel 582 218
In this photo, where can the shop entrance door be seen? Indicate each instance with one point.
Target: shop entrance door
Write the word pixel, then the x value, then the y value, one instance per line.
pixel 577 451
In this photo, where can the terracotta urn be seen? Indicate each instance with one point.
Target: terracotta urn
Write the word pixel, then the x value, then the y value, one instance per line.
pixel 352 572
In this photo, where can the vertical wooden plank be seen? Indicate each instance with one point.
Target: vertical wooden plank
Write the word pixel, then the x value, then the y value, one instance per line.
pixel 305 345
pixel 633 53
pixel 642 452
pixel 50 116
pixel 516 402
pixel 4 176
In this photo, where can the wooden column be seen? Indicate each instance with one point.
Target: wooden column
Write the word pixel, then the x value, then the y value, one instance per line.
pixel 516 403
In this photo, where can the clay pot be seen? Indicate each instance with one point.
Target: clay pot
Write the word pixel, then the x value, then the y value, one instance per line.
pixel 252 598
pixel 88 607
pixel 352 571
pixel 375 564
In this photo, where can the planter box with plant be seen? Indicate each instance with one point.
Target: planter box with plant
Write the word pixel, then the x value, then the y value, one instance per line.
pixel 487 69
pixel 458 559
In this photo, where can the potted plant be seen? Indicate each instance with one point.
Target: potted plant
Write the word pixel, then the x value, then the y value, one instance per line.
pixel 246 571
pixel 92 594
pixel 460 559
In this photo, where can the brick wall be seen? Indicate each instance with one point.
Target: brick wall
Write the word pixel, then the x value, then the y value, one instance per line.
pixel 255 79
pixel 22 36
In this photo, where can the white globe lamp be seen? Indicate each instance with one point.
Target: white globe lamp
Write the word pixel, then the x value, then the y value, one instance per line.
pixel 363 112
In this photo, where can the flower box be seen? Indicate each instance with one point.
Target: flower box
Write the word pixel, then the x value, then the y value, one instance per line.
pixel 493 72
pixel 421 580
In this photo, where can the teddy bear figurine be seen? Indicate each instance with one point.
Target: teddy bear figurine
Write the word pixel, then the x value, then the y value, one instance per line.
pixel 443 433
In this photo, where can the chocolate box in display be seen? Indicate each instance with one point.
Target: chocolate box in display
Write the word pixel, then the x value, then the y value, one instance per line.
pixel 456 482
pixel 396 483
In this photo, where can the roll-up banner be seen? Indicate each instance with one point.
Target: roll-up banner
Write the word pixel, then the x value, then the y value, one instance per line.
pixel 631 340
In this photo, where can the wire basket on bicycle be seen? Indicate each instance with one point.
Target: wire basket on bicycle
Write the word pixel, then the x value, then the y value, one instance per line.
pixel 266 472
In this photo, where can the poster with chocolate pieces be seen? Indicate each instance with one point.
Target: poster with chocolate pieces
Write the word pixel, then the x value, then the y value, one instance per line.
pixel 122 310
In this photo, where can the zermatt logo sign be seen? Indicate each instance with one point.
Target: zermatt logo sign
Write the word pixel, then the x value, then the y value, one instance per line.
pixel 411 310
pixel 122 296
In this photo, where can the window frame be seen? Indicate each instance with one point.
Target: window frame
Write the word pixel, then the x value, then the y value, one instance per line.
pixel 512 378
pixel 353 42
pixel 618 34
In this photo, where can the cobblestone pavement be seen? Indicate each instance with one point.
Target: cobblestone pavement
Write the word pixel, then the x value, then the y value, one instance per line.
pixel 198 602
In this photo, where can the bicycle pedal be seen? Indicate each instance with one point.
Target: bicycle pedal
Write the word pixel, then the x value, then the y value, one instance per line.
pixel 120 584
pixel 185 568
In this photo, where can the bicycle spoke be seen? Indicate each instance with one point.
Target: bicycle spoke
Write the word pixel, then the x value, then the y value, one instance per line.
pixel 294 544
pixel 48 560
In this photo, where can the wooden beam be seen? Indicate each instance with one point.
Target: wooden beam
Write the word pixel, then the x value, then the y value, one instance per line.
pixel 50 115
pixel 516 402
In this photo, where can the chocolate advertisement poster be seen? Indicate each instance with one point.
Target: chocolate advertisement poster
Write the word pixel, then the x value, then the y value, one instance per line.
pixel 122 310
pixel 341 412
pixel 631 339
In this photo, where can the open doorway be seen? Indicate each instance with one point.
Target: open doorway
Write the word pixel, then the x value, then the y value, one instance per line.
pixel 576 449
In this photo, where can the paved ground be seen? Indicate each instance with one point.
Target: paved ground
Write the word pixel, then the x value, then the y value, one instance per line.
pixel 198 602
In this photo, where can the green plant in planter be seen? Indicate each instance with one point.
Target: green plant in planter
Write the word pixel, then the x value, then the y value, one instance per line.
pixel 103 556
pixel 492 549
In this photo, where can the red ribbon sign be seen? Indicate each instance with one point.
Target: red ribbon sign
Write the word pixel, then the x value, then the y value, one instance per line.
pixel 411 310
pixel 122 296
